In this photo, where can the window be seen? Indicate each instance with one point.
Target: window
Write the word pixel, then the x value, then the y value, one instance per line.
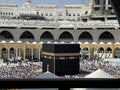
pixel 50 14
pixel 46 14
pixel 61 58
pixel 41 14
pixel 86 12
pixel 73 14
pixel 71 57
pixel 60 14
pixel 37 13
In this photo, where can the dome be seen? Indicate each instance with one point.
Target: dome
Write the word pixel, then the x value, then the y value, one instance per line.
pixel 94 43
pixel 41 42
pixel 86 43
pixel 101 43
pixel 34 42
pixel 3 41
pixel 48 42
pixel 117 43
pixel 48 75
pixel 55 42
pixel 62 42
pixel 99 74
pixel 27 42
pixel 72 42
pixel 79 42
pixel 109 43
pixel 11 41
pixel 19 41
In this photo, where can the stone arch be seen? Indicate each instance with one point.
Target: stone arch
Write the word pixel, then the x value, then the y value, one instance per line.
pixel 36 54
pixel 108 49
pixel 94 53
pixel 12 53
pixel 46 36
pixel 28 53
pixel 66 36
pixel 85 53
pixel 19 53
pixel 106 37
pixel 4 53
pixel 27 36
pixel 117 52
pixel 101 53
pixel 85 36
pixel 108 52
pixel 85 48
pixel 101 49
pixel 6 35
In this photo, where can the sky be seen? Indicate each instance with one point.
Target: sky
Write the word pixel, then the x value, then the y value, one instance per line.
pixel 59 3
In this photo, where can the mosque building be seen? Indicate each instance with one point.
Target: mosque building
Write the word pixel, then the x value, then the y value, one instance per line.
pixel 24 29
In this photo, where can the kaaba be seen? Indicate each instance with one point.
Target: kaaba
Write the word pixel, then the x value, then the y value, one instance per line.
pixel 63 59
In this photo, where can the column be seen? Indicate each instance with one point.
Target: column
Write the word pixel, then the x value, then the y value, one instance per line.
pixel 90 53
pixel 97 53
pixel 16 54
pixel 19 53
pixel 113 53
pixel 32 53
pixel 105 53
pixel 39 54
pixel 81 53
pixel 27 53
pixel 8 54
pixel 24 53
pixel 106 4
pixel 0 53
pixel 106 9
pixel 101 6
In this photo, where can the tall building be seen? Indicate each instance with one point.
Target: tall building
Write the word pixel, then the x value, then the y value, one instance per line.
pixel 103 10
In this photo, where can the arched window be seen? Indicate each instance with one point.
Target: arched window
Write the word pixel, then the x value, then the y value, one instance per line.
pixel 27 36
pixel 85 36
